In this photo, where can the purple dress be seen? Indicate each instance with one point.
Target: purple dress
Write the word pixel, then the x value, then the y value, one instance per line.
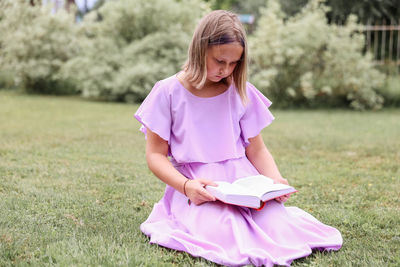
pixel 207 139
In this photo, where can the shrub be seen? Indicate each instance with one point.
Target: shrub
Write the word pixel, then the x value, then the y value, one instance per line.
pixel 130 44
pixel 35 44
pixel 391 91
pixel 302 60
pixel 6 80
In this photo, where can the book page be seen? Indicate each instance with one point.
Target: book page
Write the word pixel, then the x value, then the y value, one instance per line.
pixel 256 179
pixel 259 185
pixel 234 194
pixel 228 188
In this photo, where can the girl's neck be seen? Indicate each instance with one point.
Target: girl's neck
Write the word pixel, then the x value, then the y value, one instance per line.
pixel 210 88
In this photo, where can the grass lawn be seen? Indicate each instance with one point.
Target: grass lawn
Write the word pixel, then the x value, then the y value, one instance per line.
pixel 74 184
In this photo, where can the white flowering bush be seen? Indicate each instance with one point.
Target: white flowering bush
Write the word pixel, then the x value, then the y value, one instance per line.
pixel 130 44
pixel 34 45
pixel 302 60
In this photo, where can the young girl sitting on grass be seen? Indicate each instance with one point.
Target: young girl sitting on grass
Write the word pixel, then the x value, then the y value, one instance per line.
pixel 208 120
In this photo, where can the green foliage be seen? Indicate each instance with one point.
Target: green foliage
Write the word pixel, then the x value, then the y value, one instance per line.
pixel 340 10
pixel 222 4
pixel 240 7
pixel 130 44
pixel 35 44
pixel 303 60
pixel 6 80
pixel 124 46
pixel 371 10
pixel 391 91
pixel 292 7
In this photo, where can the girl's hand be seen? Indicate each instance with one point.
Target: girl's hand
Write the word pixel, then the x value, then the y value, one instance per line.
pixel 196 192
pixel 284 198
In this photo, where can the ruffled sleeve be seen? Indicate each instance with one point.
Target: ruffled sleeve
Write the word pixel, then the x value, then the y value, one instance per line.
pixel 256 115
pixel 155 114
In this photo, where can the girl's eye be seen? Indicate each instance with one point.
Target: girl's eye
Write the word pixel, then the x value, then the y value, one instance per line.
pixel 223 62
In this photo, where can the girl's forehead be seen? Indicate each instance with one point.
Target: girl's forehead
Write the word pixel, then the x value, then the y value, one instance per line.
pixel 231 51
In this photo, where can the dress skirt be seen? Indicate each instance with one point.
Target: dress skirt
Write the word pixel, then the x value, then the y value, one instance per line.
pixel 233 235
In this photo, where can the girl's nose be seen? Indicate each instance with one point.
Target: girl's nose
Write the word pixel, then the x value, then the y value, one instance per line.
pixel 224 70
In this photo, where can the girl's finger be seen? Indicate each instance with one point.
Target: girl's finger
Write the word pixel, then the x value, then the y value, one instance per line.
pixel 206 195
pixel 282 199
pixel 207 182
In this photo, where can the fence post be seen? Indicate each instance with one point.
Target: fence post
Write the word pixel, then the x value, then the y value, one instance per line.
pixel 391 41
pixel 368 35
pixel 383 41
pixel 398 45
pixel 376 37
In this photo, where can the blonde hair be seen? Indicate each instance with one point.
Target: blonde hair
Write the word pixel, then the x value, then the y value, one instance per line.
pixel 217 28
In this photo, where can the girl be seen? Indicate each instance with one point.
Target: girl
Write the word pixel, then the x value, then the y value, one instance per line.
pixel 208 120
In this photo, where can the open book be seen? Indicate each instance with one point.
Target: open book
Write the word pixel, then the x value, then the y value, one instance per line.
pixel 252 191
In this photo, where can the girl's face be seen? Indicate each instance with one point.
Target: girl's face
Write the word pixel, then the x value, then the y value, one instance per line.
pixel 222 60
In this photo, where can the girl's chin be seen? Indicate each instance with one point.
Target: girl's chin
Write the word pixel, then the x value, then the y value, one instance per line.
pixel 215 79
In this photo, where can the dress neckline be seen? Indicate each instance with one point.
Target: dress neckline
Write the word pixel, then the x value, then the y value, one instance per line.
pixel 200 97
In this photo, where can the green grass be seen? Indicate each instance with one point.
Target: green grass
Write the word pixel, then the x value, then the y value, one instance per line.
pixel 74 185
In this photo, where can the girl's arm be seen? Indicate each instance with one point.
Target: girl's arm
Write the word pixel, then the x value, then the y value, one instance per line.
pixel 262 160
pixel 157 160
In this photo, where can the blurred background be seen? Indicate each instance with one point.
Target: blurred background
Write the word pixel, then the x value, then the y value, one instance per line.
pixel 303 53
